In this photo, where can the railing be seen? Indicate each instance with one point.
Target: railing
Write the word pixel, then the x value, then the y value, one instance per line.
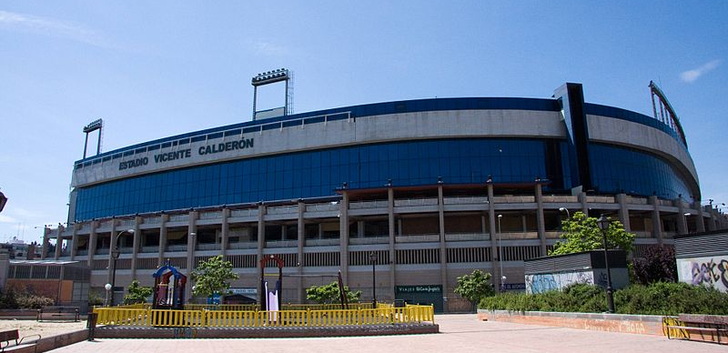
pixel 383 239
pixel 466 236
pixel 384 314
pixel 415 202
pixel 211 215
pixel 465 200
pixel 179 218
pixel 420 238
pixel 368 204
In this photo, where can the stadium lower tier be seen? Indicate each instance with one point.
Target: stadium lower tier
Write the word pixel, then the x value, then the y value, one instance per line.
pixel 390 243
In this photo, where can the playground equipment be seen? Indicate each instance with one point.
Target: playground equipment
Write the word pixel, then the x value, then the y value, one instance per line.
pixel 169 288
pixel 270 297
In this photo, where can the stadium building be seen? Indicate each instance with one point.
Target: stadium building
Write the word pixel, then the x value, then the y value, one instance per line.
pixel 400 197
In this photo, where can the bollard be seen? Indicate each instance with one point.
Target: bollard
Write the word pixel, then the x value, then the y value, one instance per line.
pixel 91 325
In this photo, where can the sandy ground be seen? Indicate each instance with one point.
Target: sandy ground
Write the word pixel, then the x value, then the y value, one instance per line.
pixel 44 329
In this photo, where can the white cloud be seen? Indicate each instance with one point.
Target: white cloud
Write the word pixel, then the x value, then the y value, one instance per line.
pixel 7 219
pixel 51 27
pixel 268 48
pixel 691 76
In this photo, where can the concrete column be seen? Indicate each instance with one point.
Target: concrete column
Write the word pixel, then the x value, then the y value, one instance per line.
pixel 360 229
pixel 699 221
pixel 344 236
pixel 443 247
pixel 163 219
pixel 59 241
pixel 261 232
pixel 540 221
pixel 656 223
pixel 136 246
pixel 44 246
pixel 299 253
pixel 682 224
pixel 584 204
pixel 261 245
pixel 624 212
pixel 493 244
pixel 392 236
pixel 711 217
pixel 74 242
pixel 93 239
pixel 191 244
pixel 112 264
pixel 224 232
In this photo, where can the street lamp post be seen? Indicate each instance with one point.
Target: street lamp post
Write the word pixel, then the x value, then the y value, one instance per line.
pixel 114 253
pixel 604 226
pixel 564 209
pixel 373 260
pixel 108 287
pixel 500 255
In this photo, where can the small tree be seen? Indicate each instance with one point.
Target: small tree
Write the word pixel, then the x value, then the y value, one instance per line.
pixel 212 277
pixel 135 293
pixel 657 265
pixel 474 287
pixel 330 293
pixel 582 233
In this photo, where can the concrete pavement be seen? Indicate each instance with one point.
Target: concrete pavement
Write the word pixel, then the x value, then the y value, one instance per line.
pixel 459 333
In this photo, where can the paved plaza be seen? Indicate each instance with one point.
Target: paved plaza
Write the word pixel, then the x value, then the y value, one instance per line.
pixel 458 334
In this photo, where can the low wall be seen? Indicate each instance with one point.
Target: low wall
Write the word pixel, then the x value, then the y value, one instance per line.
pixel 639 324
pixel 263 332
pixel 49 343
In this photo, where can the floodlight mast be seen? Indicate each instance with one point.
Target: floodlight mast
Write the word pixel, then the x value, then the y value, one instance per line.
pixel 91 127
pixel 270 77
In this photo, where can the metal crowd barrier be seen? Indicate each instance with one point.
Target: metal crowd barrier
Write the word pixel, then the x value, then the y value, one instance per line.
pixel 221 317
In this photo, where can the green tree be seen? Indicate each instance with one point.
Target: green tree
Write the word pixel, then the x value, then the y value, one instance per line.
pixel 329 293
pixel 475 286
pixel 212 277
pixel 582 233
pixel 136 293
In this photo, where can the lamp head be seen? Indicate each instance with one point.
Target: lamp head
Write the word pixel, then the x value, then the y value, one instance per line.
pixel 603 222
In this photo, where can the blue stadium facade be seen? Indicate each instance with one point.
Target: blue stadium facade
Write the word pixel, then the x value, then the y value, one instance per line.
pixel 427 189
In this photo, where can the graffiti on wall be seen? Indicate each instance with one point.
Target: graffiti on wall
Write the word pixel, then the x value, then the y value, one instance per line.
pixel 544 282
pixel 708 271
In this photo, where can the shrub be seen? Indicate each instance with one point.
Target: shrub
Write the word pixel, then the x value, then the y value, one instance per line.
pixel 659 298
pixel 32 301
pixel 8 300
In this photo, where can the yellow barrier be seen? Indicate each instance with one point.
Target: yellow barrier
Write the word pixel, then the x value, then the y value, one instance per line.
pixel 384 314
pixel 254 307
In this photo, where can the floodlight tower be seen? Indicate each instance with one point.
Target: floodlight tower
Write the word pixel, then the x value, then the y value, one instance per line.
pixel 93 126
pixel 269 77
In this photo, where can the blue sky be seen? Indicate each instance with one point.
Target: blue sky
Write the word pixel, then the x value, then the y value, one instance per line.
pixel 155 69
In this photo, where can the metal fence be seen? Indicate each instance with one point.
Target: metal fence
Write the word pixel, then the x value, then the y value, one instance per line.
pixel 220 316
